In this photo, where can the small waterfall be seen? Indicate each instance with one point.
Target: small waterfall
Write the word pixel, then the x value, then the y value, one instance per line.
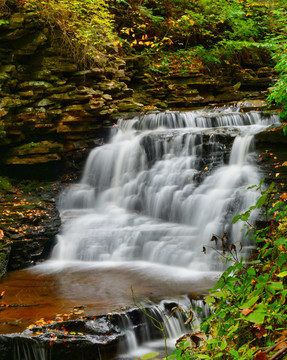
pixel 161 188
pixel 130 343
pixel 145 336
pixel 240 149
pixel 30 350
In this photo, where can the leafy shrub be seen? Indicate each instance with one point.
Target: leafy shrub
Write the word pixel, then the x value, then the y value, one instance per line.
pixel 248 302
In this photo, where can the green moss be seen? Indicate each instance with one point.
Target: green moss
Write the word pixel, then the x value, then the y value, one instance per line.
pixel 5 184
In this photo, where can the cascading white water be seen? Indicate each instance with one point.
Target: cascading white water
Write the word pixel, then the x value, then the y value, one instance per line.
pixel 150 200
pixel 161 188
pixel 168 317
pixel 30 351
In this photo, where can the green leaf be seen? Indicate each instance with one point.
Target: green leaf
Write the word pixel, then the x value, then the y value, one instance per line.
pixel 210 299
pixel 251 272
pixel 233 329
pixel 281 241
pixel 249 303
pixel 218 355
pixel 234 353
pixel 245 216
pixel 223 345
pixel 261 201
pixel 282 259
pixel 258 314
pixel 236 218
pixel 282 274
pixel 277 285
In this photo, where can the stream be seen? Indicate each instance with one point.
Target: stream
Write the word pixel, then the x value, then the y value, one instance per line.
pixel 147 204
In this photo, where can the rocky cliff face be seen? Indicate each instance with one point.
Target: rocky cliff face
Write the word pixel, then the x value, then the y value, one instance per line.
pixel 233 82
pixel 49 109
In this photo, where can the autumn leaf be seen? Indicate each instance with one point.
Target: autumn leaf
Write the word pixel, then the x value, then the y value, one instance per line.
pixel 261 356
pixel 247 311
pixel 259 330
pixel 189 318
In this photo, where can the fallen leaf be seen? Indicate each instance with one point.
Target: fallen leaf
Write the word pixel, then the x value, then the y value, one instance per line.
pixel 261 356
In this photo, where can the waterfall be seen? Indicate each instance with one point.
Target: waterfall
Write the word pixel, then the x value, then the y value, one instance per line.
pixel 158 321
pixel 147 204
pixel 163 186
pixel 29 350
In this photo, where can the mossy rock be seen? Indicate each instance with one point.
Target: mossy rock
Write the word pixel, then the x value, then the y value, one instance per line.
pixel 5 185
pixel 42 147
pixel 274 136
pixel 129 107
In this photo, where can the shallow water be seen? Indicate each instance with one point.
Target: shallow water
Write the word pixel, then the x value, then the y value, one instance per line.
pixel 43 292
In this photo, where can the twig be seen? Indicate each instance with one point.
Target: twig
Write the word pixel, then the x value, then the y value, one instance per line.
pixel 274 346
pixel 278 355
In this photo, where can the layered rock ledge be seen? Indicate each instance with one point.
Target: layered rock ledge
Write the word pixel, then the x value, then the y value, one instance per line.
pixel 49 108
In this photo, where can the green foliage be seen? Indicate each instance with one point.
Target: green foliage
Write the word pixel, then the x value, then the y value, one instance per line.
pixel 279 91
pixel 82 27
pixel 188 23
pixel 248 301
pixel 278 40
pixel 213 38
pixel 3 22
pixel 5 184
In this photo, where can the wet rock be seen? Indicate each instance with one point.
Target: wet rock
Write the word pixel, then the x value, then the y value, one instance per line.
pixel 264 72
pixel 34 159
pixel 29 224
pixel 38 85
pixel 76 109
pixel 89 337
pixel 4 77
pixel 43 147
pixel 5 249
pixel 62 98
pixel 94 105
pixel 26 94
pixel 42 75
pixel 59 346
pixel 44 103
pixel 253 105
pixel 61 89
pixel 107 97
pixel 98 73
pixel 129 107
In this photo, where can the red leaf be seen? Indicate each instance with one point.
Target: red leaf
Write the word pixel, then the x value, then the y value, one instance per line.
pixel 261 356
